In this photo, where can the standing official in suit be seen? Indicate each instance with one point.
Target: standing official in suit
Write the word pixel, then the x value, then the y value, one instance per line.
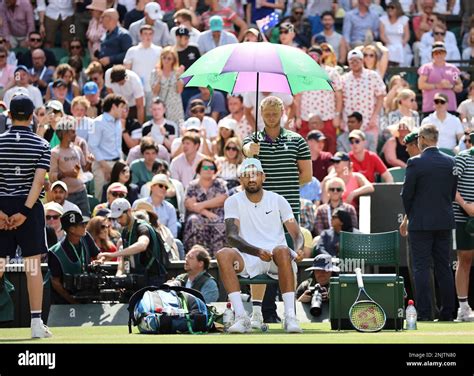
pixel 428 194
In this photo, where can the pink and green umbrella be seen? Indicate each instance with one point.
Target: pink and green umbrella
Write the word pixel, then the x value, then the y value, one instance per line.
pixel 253 66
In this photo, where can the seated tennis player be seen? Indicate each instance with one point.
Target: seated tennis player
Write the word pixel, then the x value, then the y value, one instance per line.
pixel 254 220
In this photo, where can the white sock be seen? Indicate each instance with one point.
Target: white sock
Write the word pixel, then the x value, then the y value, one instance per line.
pixel 289 303
pixel 257 309
pixel 237 304
pixel 463 303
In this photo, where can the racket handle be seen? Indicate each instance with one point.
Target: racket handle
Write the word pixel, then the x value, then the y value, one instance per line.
pixel 358 273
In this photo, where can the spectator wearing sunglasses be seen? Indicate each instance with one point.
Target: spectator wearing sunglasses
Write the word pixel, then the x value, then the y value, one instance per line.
pixel 335 188
pixel 53 212
pixel 35 40
pixel 228 164
pixel 197 108
pixel 115 191
pixel 121 173
pixel 215 109
pixel 162 208
pixel 76 49
pixel 364 161
pixel 438 33
pixel 204 202
pixel 301 25
pixel 449 126
pixel 100 230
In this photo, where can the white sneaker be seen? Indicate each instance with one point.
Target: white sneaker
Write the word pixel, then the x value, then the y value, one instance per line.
pixel 256 320
pixel 241 325
pixel 39 330
pixel 291 325
pixel 465 314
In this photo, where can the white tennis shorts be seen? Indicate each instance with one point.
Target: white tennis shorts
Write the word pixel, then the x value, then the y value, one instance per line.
pixel 254 266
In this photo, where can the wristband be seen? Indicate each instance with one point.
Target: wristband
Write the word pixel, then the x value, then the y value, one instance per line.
pixel 25 210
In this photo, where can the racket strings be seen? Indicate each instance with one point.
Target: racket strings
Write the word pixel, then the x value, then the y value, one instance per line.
pixel 367 316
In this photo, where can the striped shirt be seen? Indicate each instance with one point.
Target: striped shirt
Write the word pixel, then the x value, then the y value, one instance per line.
pixel 465 172
pixel 280 162
pixel 21 153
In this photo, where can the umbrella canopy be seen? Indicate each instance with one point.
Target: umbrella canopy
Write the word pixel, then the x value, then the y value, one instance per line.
pixel 257 66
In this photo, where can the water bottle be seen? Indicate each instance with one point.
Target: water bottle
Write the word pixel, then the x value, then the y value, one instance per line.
pixel 411 316
pixel 228 318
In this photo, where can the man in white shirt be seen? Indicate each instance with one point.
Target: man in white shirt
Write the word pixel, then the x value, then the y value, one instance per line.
pixel 22 77
pixel 126 83
pixel 254 220
pixel 216 36
pixel 449 126
pixel 142 59
pixel 153 16
pixel 184 17
pixel 57 14
pixel 59 193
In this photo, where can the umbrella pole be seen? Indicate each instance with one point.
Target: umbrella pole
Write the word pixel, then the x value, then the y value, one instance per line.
pixel 256 110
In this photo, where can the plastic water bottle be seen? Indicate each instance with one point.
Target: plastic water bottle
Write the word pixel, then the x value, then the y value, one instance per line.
pixel 228 318
pixel 411 316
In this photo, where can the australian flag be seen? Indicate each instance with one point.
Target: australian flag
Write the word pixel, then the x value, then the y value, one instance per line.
pixel 266 23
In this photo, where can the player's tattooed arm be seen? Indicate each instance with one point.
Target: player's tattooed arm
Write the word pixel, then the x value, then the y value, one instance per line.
pixel 235 240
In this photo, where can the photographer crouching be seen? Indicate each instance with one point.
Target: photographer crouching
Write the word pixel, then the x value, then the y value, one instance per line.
pixel 70 257
pixel 141 242
pixel 314 290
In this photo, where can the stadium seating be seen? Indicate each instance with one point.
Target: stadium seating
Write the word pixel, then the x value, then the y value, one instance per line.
pixel 380 249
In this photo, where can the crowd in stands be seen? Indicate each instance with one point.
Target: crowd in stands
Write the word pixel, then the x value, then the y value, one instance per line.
pixel 111 70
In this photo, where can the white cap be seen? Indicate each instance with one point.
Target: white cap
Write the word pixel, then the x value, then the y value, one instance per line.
pixel 154 11
pixel 54 206
pixel 228 123
pixel 62 184
pixel 355 53
pixel 250 165
pixel 118 207
pixel 192 123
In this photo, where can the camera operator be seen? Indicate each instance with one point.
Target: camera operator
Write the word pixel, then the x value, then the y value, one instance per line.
pixel 70 256
pixel 314 290
pixel 140 241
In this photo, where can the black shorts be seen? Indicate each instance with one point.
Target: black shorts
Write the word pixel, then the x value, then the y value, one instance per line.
pixel 464 240
pixel 30 236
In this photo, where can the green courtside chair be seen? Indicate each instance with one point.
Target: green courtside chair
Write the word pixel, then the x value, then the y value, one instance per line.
pixel 381 249
pixel 398 174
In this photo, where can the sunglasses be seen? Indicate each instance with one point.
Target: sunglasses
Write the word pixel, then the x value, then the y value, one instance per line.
pixel 198 111
pixel 298 13
pixel 467 141
pixel 354 141
pixel 208 168
pixel 75 47
pixel 335 189
pixel 118 194
pixel 467 134
pixel 35 39
pixel 50 217
pixel 3 56
pixel 284 31
pixel 162 186
pixel 439 33
pixel 369 55
pixel 390 7
pixel 439 101
pixel 103 227
pixel 325 49
pixel 231 148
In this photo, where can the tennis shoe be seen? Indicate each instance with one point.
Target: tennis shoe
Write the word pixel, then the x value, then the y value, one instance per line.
pixel 39 330
pixel 256 320
pixel 242 324
pixel 465 314
pixel 291 325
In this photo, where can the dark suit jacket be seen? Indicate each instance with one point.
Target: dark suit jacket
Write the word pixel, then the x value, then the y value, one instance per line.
pixel 429 191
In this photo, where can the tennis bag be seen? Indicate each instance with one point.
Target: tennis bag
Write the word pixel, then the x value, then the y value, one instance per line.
pixel 170 310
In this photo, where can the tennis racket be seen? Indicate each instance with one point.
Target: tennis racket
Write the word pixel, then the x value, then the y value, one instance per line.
pixel 365 314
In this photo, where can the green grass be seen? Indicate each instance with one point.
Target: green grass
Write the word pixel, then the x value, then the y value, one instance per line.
pixel 313 333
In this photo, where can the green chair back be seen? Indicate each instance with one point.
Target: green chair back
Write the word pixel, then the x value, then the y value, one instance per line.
pixel 398 174
pixel 93 202
pixel 59 53
pixel 375 249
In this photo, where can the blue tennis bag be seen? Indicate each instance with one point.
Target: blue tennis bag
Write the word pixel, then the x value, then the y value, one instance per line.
pixel 170 310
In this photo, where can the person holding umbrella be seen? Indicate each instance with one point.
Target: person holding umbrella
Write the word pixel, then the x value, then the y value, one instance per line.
pixel 286 160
